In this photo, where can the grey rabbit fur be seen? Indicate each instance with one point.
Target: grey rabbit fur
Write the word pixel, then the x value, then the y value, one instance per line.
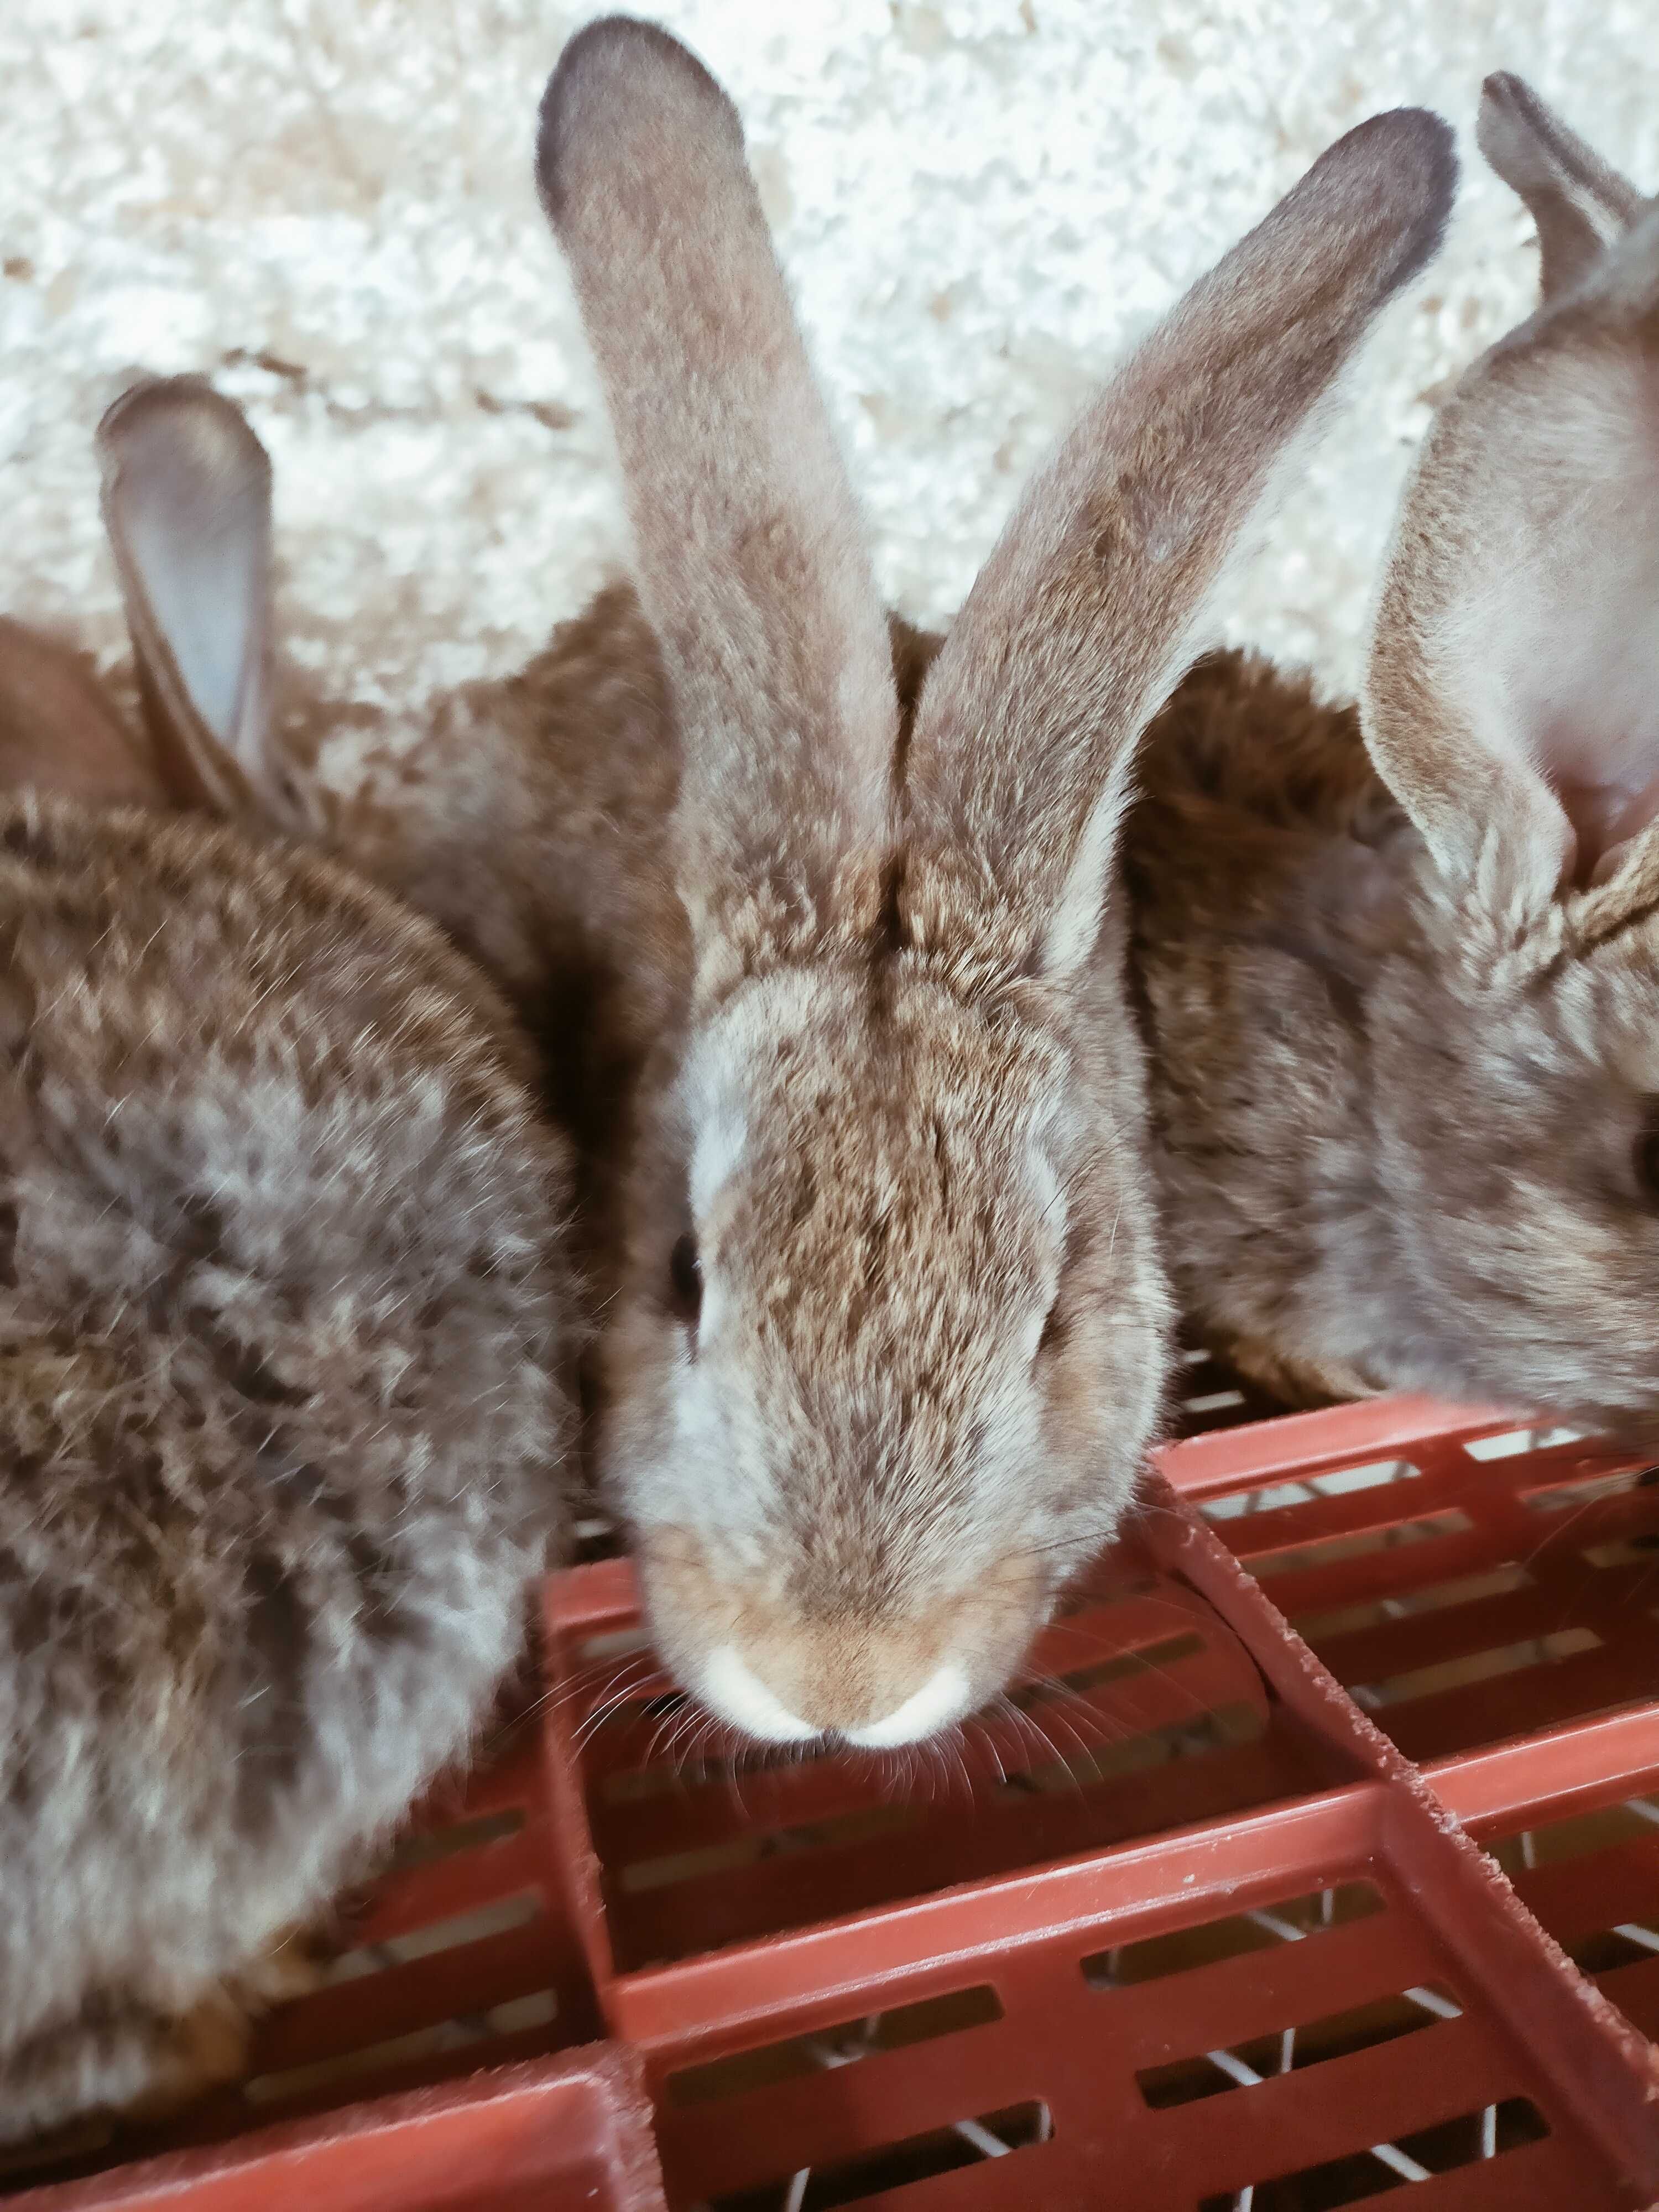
pixel 285 1317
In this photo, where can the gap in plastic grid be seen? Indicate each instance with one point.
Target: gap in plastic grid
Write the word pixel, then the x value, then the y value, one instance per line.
pixel 1488 2132
pixel 1591 1878
pixel 1211 1395
pixel 1465 1590
pixel 704 1844
pixel 1294 2047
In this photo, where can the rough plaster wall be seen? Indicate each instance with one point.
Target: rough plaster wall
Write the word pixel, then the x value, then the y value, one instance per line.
pixel 326 205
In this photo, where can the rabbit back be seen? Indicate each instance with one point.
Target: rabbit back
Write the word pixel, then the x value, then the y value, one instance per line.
pixel 282 1326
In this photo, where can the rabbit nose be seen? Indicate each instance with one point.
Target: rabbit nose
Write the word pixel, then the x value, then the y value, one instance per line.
pixel 943 1697
pixel 738 1694
pixel 731 1686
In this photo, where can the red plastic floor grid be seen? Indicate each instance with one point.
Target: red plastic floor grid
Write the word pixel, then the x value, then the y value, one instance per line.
pixel 1201 1914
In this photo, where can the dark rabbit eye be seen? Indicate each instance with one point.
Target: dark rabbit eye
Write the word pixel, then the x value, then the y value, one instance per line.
pixel 1647 1159
pixel 686 1279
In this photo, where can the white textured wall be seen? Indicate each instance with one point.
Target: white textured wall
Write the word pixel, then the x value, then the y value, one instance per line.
pixel 326 205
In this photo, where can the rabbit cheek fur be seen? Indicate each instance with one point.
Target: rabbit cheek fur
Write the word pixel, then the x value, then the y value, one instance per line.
pixel 283 1430
pixel 929 1347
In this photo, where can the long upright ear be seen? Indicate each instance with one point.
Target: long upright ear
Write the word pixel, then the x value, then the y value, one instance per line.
pixel 1512 700
pixel 1094 599
pixel 752 564
pixel 59 732
pixel 1580 205
pixel 188 507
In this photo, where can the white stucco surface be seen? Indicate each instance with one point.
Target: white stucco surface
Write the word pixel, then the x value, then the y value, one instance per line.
pixel 326 205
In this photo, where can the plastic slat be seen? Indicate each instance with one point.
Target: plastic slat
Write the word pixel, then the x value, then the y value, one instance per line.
pixel 750 1901
pixel 1332 2110
pixel 987 1883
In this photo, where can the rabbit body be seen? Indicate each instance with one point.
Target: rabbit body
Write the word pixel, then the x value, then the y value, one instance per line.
pixel 531 820
pixel 1291 959
pixel 282 1322
pixel 1398 966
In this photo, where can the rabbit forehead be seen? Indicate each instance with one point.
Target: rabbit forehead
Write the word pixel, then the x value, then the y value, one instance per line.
pixel 811 1099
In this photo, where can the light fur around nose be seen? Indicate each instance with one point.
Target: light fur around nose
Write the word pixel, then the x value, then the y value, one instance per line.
pixel 785 1673
pixel 731 1688
pixel 944 1697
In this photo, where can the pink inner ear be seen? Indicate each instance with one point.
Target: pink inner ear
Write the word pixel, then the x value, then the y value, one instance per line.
pixel 1607 820
pixel 1568 623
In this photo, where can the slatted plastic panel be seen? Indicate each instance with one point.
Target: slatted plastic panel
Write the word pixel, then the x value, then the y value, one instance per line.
pixel 1175 1925
pixel 1291 2034
pixel 1469 1587
pixel 1142 1712
pixel 829 2021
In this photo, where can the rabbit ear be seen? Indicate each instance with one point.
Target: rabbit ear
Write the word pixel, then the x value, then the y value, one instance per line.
pixel 1512 700
pixel 1093 601
pixel 59 732
pixel 752 565
pixel 188 507
pixel 1580 204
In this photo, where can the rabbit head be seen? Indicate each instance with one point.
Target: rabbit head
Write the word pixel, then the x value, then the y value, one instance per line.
pixel 1512 705
pixel 893 1338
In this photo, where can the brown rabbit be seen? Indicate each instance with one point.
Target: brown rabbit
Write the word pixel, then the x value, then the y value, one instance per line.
pixel 1403 1002
pixel 885 1332
pixel 284 1317
pixel 891 1334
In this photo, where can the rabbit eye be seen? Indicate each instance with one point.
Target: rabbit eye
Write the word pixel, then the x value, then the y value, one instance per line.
pixel 1647 1161
pixel 686 1279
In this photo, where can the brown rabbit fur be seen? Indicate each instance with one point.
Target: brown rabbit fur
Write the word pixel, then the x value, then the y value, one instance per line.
pixel 566 775
pixel 528 816
pixel 884 1332
pixel 283 1418
pixel 1403 1005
